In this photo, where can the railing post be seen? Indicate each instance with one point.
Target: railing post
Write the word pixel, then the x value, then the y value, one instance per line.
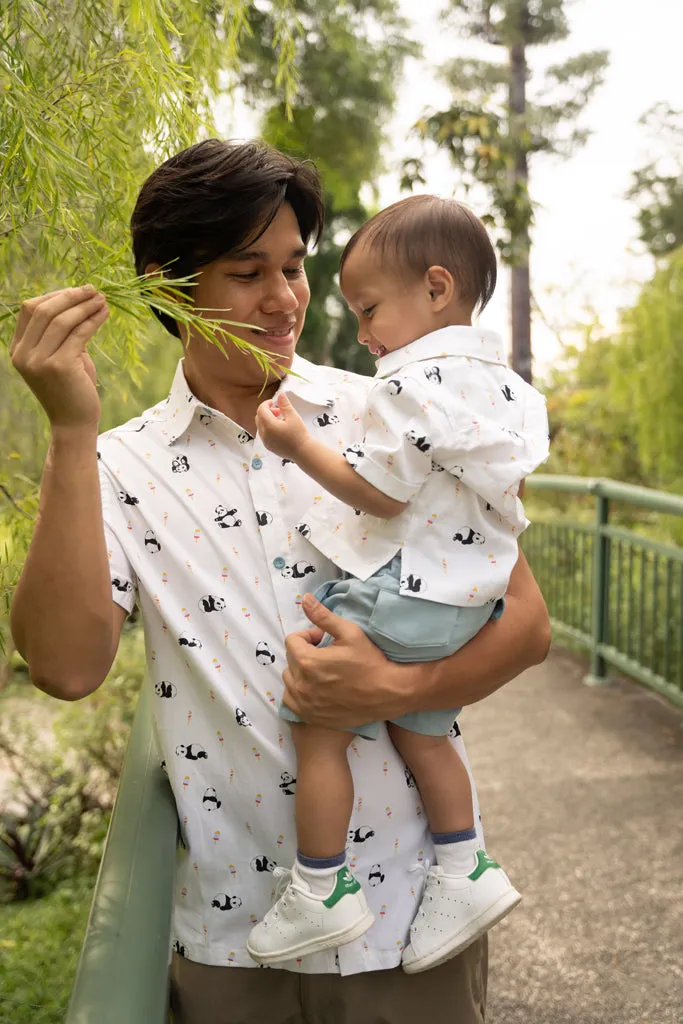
pixel 601 579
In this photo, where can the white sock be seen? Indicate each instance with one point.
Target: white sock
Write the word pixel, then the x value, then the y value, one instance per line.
pixel 320 880
pixel 457 858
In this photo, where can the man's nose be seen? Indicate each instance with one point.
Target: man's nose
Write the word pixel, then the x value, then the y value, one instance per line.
pixel 279 297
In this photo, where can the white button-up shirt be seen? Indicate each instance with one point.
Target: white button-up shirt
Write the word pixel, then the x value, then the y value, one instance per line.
pixel 200 526
pixel 449 428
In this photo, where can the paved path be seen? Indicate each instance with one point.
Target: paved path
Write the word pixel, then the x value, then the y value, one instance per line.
pixel 582 799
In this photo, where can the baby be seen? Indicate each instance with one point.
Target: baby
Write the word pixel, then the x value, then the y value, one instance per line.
pixel 423 519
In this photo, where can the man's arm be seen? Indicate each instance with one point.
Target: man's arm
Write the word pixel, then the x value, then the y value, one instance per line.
pixel 63 619
pixel 351 682
pixel 284 432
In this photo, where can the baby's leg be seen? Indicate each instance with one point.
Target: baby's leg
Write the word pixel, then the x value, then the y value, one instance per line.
pixel 468 892
pixel 324 791
pixel 446 794
pixel 322 905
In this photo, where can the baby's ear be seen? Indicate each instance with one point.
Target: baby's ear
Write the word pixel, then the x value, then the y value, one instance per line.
pixel 441 287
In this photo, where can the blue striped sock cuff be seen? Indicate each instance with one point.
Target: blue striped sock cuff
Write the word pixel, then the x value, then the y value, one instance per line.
pixel 321 863
pixel 442 838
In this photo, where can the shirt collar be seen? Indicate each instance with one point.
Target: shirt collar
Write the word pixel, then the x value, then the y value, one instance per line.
pixel 181 406
pixel 309 382
pixel 449 341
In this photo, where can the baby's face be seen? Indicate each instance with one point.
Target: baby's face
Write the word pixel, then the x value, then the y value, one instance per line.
pixel 391 312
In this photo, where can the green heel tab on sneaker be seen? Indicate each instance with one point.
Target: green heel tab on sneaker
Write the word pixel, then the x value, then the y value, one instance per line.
pixel 345 884
pixel 483 863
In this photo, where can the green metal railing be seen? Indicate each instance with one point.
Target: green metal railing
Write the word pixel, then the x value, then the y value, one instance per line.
pixel 122 975
pixel 610 589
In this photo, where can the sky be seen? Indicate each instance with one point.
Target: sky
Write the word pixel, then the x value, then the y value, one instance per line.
pixel 585 250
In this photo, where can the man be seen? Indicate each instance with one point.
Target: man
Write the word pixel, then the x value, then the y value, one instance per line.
pixel 185 512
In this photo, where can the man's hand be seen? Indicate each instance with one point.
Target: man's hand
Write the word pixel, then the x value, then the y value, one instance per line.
pixel 281 428
pixel 49 351
pixel 346 684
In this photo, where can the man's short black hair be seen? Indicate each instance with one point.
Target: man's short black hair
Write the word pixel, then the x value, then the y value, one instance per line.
pixel 214 199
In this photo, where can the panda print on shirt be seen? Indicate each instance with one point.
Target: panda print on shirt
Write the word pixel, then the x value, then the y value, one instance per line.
pixel 325 419
pixel 211 603
pixel 241 718
pixel 180 464
pixel 166 690
pixel 222 901
pixel 375 875
pixel 193 751
pixel 226 517
pixel 353 454
pixel 466 535
pixel 264 655
pixel 297 570
pixel 187 640
pixel 422 443
pixel 210 801
pixel 433 374
pixel 361 835
pixel 413 584
pixel 287 784
pixel 152 545
pixel 262 864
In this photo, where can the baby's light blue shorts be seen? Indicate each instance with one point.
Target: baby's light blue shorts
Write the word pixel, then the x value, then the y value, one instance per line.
pixel 406 629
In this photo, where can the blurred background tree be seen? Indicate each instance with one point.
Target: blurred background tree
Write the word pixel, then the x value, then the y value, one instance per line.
pixel 657 187
pixel 349 58
pixel 493 128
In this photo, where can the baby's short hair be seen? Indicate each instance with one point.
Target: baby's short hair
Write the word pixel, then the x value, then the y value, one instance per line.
pixel 420 232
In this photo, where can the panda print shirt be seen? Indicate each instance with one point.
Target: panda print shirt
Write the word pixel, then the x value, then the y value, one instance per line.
pixel 451 430
pixel 201 529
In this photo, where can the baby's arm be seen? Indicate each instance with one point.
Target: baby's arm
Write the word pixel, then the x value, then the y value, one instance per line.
pixel 284 432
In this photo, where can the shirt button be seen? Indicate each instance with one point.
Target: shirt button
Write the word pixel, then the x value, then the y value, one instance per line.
pixel 256 463
pixel 279 562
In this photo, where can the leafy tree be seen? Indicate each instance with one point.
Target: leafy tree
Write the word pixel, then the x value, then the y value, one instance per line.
pixel 658 186
pixel 94 96
pixel 614 403
pixel 348 57
pixel 649 373
pixel 492 128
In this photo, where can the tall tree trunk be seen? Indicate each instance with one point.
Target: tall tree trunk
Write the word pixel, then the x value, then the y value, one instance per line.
pixel 520 290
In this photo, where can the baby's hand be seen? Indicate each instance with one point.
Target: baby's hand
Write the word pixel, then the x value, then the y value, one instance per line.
pixel 280 427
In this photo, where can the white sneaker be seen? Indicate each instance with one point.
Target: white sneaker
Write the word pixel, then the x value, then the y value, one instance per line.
pixel 455 910
pixel 302 922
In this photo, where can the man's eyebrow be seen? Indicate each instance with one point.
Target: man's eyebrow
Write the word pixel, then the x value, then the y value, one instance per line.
pixel 260 254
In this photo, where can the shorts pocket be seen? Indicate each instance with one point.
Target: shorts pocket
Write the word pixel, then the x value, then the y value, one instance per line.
pixel 411 623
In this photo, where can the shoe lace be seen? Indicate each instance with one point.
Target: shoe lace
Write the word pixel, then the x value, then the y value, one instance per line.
pixel 425 869
pixel 282 878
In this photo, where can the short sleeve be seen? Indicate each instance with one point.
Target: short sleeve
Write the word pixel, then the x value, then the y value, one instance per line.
pixel 401 424
pixel 492 459
pixel 123 581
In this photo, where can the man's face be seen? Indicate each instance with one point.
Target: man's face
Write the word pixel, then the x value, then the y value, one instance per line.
pixel 264 286
pixel 391 311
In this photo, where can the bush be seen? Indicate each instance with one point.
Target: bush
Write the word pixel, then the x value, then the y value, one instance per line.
pixel 39 951
pixel 66 760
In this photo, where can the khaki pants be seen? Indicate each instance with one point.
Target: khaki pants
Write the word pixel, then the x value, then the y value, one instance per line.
pixel 454 993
